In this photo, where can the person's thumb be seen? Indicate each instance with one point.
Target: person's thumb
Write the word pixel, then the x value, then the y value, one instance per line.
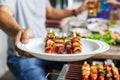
pixel 27 34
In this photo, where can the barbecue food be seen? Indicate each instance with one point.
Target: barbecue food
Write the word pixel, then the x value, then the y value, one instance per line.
pixel 62 45
pixel 50 42
pixel 76 45
pixel 93 71
pixel 50 35
pixel 115 72
pixel 85 71
pixel 99 72
pixel 68 47
pixel 59 46
pixel 108 71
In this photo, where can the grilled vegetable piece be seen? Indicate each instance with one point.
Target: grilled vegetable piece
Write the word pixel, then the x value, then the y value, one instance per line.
pixel 59 48
pixel 49 50
pixel 76 39
pixel 49 43
pixel 50 35
pixel 68 47
pixel 93 71
pixel 85 71
pixel 76 45
pixel 59 40
pixel 77 49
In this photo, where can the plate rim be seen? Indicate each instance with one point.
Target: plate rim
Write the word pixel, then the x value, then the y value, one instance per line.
pixel 70 57
pixel 80 54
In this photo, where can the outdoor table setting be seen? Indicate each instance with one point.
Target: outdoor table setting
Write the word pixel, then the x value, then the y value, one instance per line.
pixel 93 36
pixel 105 30
pixel 114 41
pixel 63 48
pixel 112 53
pixel 98 29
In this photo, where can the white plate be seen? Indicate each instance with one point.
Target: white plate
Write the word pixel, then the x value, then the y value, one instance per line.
pixel 97 27
pixel 115 29
pixel 92 20
pixel 103 46
pixel 36 47
pixel 81 31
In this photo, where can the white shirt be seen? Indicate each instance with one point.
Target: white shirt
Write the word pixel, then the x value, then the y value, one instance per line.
pixel 28 14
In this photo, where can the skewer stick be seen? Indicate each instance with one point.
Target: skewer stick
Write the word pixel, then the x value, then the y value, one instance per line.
pixel 93 63
pixel 51 30
pixel 105 62
pixel 113 64
pixel 74 34
pixel 85 62
pixel 56 34
pixel 64 34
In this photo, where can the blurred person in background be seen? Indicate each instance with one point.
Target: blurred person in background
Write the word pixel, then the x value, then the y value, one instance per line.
pixel 106 7
pixel 18 15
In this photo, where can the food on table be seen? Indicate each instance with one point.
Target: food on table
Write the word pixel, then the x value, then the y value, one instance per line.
pixel 108 71
pixel 85 71
pixel 59 46
pixel 68 47
pixel 48 50
pixel 62 45
pixel 115 72
pixel 117 35
pixel 99 71
pixel 93 71
pixel 50 35
pixel 81 31
pixel 49 42
pixel 107 37
pixel 97 27
pixel 77 46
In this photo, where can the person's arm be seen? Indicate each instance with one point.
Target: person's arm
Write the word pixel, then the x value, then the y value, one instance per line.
pixel 114 3
pixel 7 22
pixel 10 26
pixel 53 13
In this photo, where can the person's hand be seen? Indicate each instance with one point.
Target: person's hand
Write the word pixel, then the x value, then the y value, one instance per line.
pixel 23 36
pixel 112 2
pixel 83 7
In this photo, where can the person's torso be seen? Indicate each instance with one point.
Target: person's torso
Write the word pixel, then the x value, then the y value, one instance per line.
pixel 30 14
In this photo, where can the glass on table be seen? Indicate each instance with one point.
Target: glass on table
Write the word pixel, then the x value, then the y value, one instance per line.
pixel 114 18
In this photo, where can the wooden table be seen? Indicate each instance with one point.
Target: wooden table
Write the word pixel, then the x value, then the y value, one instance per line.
pixel 112 53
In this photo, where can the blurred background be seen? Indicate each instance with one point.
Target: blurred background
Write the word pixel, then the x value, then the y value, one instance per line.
pixel 79 24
